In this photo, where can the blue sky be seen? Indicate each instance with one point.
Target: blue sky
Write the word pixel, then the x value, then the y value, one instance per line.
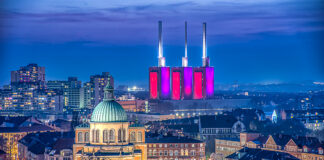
pixel 248 40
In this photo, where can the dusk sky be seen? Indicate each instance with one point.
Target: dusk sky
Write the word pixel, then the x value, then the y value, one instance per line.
pixel 249 41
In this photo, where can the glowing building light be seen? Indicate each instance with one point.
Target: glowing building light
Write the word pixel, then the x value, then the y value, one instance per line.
pixel 176 85
pixel 209 81
pixel 165 82
pixel 153 85
pixel 187 81
pixel 198 85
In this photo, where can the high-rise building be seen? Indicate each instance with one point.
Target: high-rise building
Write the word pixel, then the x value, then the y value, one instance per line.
pixel 27 84
pixel 31 75
pixel 70 90
pixel 92 92
pixel 98 83
pixel 85 95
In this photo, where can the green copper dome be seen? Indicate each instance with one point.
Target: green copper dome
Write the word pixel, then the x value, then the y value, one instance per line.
pixel 108 110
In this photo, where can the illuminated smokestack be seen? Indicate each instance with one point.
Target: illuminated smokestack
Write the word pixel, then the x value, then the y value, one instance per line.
pixel 161 58
pixel 205 59
pixel 185 58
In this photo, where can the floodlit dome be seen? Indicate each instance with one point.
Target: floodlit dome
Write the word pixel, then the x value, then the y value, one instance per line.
pixel 108 110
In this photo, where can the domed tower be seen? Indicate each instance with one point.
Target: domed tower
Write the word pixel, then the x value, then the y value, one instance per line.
pixel 108 122
pixel 108 133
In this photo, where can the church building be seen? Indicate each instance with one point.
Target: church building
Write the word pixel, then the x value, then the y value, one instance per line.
pixel 109 135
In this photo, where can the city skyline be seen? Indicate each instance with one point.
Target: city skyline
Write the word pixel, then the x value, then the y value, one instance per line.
pixel 266 41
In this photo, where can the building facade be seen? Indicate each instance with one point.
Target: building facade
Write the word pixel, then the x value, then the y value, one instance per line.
pixel 31 75
pixel 70 90
pixel 305 148
pixel 46 146
pixel 92 92
pixel 226 146
pixel 134 105
pixel 179 83
pixel 175 148
pixel 12 129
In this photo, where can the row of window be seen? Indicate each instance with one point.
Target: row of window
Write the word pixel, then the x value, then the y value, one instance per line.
pixel 136 137
pixel 216 130
pixel 83 138
pixel 108 136
pixel 230 143
pixel 289 148
pixel 172 153
pixel 174 145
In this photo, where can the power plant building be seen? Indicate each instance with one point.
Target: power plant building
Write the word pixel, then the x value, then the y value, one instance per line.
pixel 185 82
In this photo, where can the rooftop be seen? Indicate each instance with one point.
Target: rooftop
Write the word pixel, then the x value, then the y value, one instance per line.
pixel 83 125
pixel 33 128
pixel 37 142
pixel 251 153
pixel 217 121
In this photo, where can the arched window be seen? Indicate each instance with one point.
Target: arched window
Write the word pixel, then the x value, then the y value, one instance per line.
pixel 97 136
pixel 139 137
pixel 132 137
pixel 86 137
pixel 124 135
pixel 105 135
pixel 93 135
pixel 112 135
pixel 80 138
pixel 121 135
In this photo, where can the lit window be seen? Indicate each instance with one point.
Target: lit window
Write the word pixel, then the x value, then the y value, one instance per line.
pixel 132 137
pixel 139 137
pixel 86 137
pixel 171 153
pixel 105 136
pixel 80 138
pixel 112 135
pixel 176 153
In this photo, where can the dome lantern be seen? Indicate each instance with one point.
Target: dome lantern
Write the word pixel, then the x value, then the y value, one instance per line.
pixel 108 91
pixel 108 110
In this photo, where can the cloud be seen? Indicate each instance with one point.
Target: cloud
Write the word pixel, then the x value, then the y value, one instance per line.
pixel 135 22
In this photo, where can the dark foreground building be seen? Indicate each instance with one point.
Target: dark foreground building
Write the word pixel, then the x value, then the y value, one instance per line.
pixel 252 153
pixel 46 146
